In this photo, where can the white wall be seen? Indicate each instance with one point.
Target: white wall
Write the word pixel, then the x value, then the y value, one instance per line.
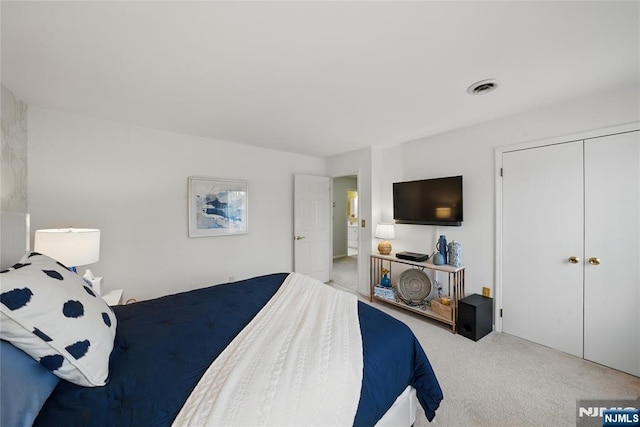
pixel 131 182
pixel 13 154
pixel 470 152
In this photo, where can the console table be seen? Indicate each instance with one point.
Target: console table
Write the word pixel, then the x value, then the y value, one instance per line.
pixel 455 285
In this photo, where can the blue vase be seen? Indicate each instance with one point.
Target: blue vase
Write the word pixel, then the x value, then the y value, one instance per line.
pixel 385 281
pixel 438 259
pixel 441 247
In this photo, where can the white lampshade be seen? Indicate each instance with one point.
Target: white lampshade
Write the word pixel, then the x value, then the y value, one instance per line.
pixel 385 231
pixel 70 246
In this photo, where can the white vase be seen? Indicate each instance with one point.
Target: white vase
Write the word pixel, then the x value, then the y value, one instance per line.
pixel 454 254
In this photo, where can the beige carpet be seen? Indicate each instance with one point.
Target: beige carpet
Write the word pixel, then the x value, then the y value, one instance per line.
pixel 502 380
pixel 344 273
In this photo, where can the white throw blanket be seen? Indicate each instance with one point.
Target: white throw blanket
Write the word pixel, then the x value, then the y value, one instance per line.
pixel 298 362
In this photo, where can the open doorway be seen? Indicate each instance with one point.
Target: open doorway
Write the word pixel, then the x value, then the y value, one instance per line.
pixel 344 272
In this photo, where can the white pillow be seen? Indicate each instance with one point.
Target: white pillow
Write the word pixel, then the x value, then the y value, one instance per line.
pixel 48 311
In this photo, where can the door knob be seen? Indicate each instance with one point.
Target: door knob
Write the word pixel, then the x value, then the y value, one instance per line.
pixel 574 259
pixel 299 237
pixel 594 261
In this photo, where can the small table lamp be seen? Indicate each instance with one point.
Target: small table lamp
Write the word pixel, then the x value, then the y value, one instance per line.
pixel 70 246
pixel 385 231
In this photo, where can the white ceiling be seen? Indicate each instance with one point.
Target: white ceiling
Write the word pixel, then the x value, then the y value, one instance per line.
pixel 318 78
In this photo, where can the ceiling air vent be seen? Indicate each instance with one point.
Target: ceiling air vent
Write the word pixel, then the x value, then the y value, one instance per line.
pixel 482 87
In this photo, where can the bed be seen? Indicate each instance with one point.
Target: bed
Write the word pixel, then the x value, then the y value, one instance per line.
pixel 163 349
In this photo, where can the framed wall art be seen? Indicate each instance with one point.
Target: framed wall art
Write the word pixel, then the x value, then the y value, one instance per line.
pixel 217 207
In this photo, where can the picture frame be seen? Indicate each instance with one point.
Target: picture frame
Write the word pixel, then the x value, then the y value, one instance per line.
pixel 217 207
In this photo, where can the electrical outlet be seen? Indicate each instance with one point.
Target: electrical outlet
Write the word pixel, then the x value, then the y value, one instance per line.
pixel 232 279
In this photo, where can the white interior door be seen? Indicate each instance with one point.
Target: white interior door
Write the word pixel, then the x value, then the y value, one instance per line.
pixel 612 234
pixel 542 214
pixel 312 226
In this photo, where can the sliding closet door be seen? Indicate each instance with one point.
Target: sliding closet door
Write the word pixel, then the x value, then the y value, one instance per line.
pixel 542 202
pixel 612 243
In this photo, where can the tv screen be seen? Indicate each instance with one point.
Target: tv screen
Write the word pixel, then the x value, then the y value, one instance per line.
pixel 435 201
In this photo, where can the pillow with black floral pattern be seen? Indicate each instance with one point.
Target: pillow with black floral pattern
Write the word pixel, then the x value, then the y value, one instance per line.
pixel 49 312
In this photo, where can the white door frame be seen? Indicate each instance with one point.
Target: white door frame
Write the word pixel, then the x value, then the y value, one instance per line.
pixel 498 194
pixel 357 175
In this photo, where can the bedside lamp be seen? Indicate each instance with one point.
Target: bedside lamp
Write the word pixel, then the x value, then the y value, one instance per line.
pixel 385 231
pixel 70 246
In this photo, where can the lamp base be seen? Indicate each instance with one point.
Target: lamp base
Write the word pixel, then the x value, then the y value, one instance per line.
pixel 384 248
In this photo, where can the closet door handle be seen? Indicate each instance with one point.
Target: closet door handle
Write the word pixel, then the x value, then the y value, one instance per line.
pixel 594 261
pixel 574 259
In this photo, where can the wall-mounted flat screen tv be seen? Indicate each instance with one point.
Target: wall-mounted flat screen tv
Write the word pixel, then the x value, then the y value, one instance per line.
pixel 435 201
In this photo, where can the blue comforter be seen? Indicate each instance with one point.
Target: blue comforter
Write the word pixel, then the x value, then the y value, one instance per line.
pixel 163 347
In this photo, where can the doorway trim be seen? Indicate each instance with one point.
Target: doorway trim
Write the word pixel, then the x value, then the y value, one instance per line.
pixel 358 189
